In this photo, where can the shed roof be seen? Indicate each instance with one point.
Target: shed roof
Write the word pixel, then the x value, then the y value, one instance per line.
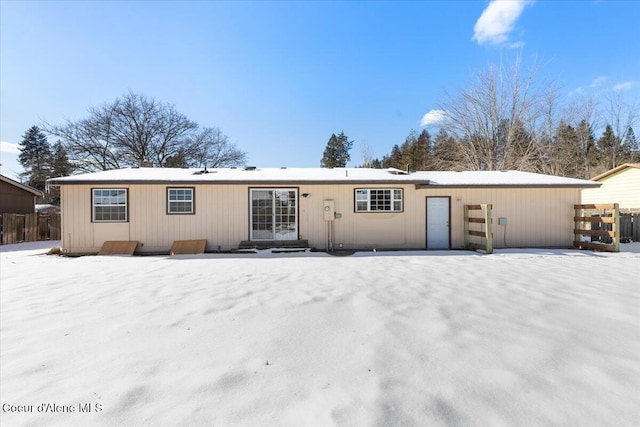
pixel 615 170
pixel 32 190
pixel 264 176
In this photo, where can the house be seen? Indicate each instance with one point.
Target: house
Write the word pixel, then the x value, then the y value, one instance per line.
pixel 350 208
pixel 17 198
pixel 619 185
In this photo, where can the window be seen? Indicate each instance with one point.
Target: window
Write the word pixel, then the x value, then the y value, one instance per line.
pixel 109 205
pixel 379 200
pixel 180 201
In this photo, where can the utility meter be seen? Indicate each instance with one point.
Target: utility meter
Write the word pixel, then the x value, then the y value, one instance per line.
pixel 329 210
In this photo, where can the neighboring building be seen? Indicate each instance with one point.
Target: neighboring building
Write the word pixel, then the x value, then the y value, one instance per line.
pixel 619 185
pixel 17 198
pixel 355 208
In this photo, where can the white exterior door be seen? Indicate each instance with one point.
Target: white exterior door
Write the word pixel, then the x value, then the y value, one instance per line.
pixel 438 233
pixel 274 214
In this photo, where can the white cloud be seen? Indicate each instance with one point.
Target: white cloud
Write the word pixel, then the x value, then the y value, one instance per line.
pixel 623 86
pixel 497 21
pixel 433 117
pixel 577 91
pixel 9 147
pixel 599 81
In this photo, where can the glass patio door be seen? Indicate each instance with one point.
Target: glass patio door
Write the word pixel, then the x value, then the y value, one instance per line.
pixel 274 214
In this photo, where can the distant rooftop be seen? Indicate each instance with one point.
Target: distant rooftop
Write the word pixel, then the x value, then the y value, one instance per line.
pixel 251 175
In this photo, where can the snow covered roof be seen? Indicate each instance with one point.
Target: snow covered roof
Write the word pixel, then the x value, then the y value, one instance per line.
pixel 422 179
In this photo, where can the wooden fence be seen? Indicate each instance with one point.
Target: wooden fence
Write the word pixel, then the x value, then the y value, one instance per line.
pixel 16 228
pixel 484 222
pixel 597 227
pixel 629 227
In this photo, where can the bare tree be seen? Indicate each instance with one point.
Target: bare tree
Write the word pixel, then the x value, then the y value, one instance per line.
pixel 622 117
pixel 499 118
pixel 211 148
pixel 138 131
pixel 579 160
pixel 367 155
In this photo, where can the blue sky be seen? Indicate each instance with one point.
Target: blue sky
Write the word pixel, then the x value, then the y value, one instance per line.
pixel 279 77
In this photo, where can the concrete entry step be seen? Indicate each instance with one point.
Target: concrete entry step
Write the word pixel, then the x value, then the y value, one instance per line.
pixel 269 244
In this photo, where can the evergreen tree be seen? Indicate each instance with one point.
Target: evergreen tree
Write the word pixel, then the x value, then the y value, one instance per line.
pixel 607 149
pixel 566 153
pixel 524 153
pixel 35 157
pixel 423 153
pixel 589 150
pixel 447 154
pixel 60 166
pixel 408 152
pixel 376 164
pixel 631 146
pixel 336 154
pixel 394 159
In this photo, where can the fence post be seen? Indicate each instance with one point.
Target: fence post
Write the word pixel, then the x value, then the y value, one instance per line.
pixel 487 228
pixel 616 227
pixel 466 226
pixel 577 225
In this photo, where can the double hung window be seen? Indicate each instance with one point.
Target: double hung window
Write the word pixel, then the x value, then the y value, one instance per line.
pixel 180 201
pixel 109 205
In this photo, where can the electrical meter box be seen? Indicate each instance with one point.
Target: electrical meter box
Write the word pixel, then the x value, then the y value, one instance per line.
pixel 329 210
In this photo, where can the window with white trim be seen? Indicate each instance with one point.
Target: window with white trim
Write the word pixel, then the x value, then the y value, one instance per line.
pixel 109 205
pixel 180 201
pixel 378 200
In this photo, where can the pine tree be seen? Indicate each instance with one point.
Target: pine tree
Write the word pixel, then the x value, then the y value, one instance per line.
pixel 587 152
pixel 631 146
pixel 394 159
pixel 376 164
pixel 566 154
pixel 35 156
pixel 336 154
pixel 607 149
pixel 423 152
pixel 60 166
pixel 408 152
pixel 447 154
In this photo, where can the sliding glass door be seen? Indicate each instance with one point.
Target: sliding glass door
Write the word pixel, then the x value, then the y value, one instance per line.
pixel 274 214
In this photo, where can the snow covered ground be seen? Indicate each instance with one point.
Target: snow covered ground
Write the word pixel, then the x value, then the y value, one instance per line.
pixel 519 338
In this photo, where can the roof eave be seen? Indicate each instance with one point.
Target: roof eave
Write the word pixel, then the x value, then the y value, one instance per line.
pixel 585 185
pixel 56 182
pixel 32 190
pixel 615 170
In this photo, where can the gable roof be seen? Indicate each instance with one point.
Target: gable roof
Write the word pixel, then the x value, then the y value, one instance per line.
pixel 32 190
pixel 615 170
pixel 360 176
